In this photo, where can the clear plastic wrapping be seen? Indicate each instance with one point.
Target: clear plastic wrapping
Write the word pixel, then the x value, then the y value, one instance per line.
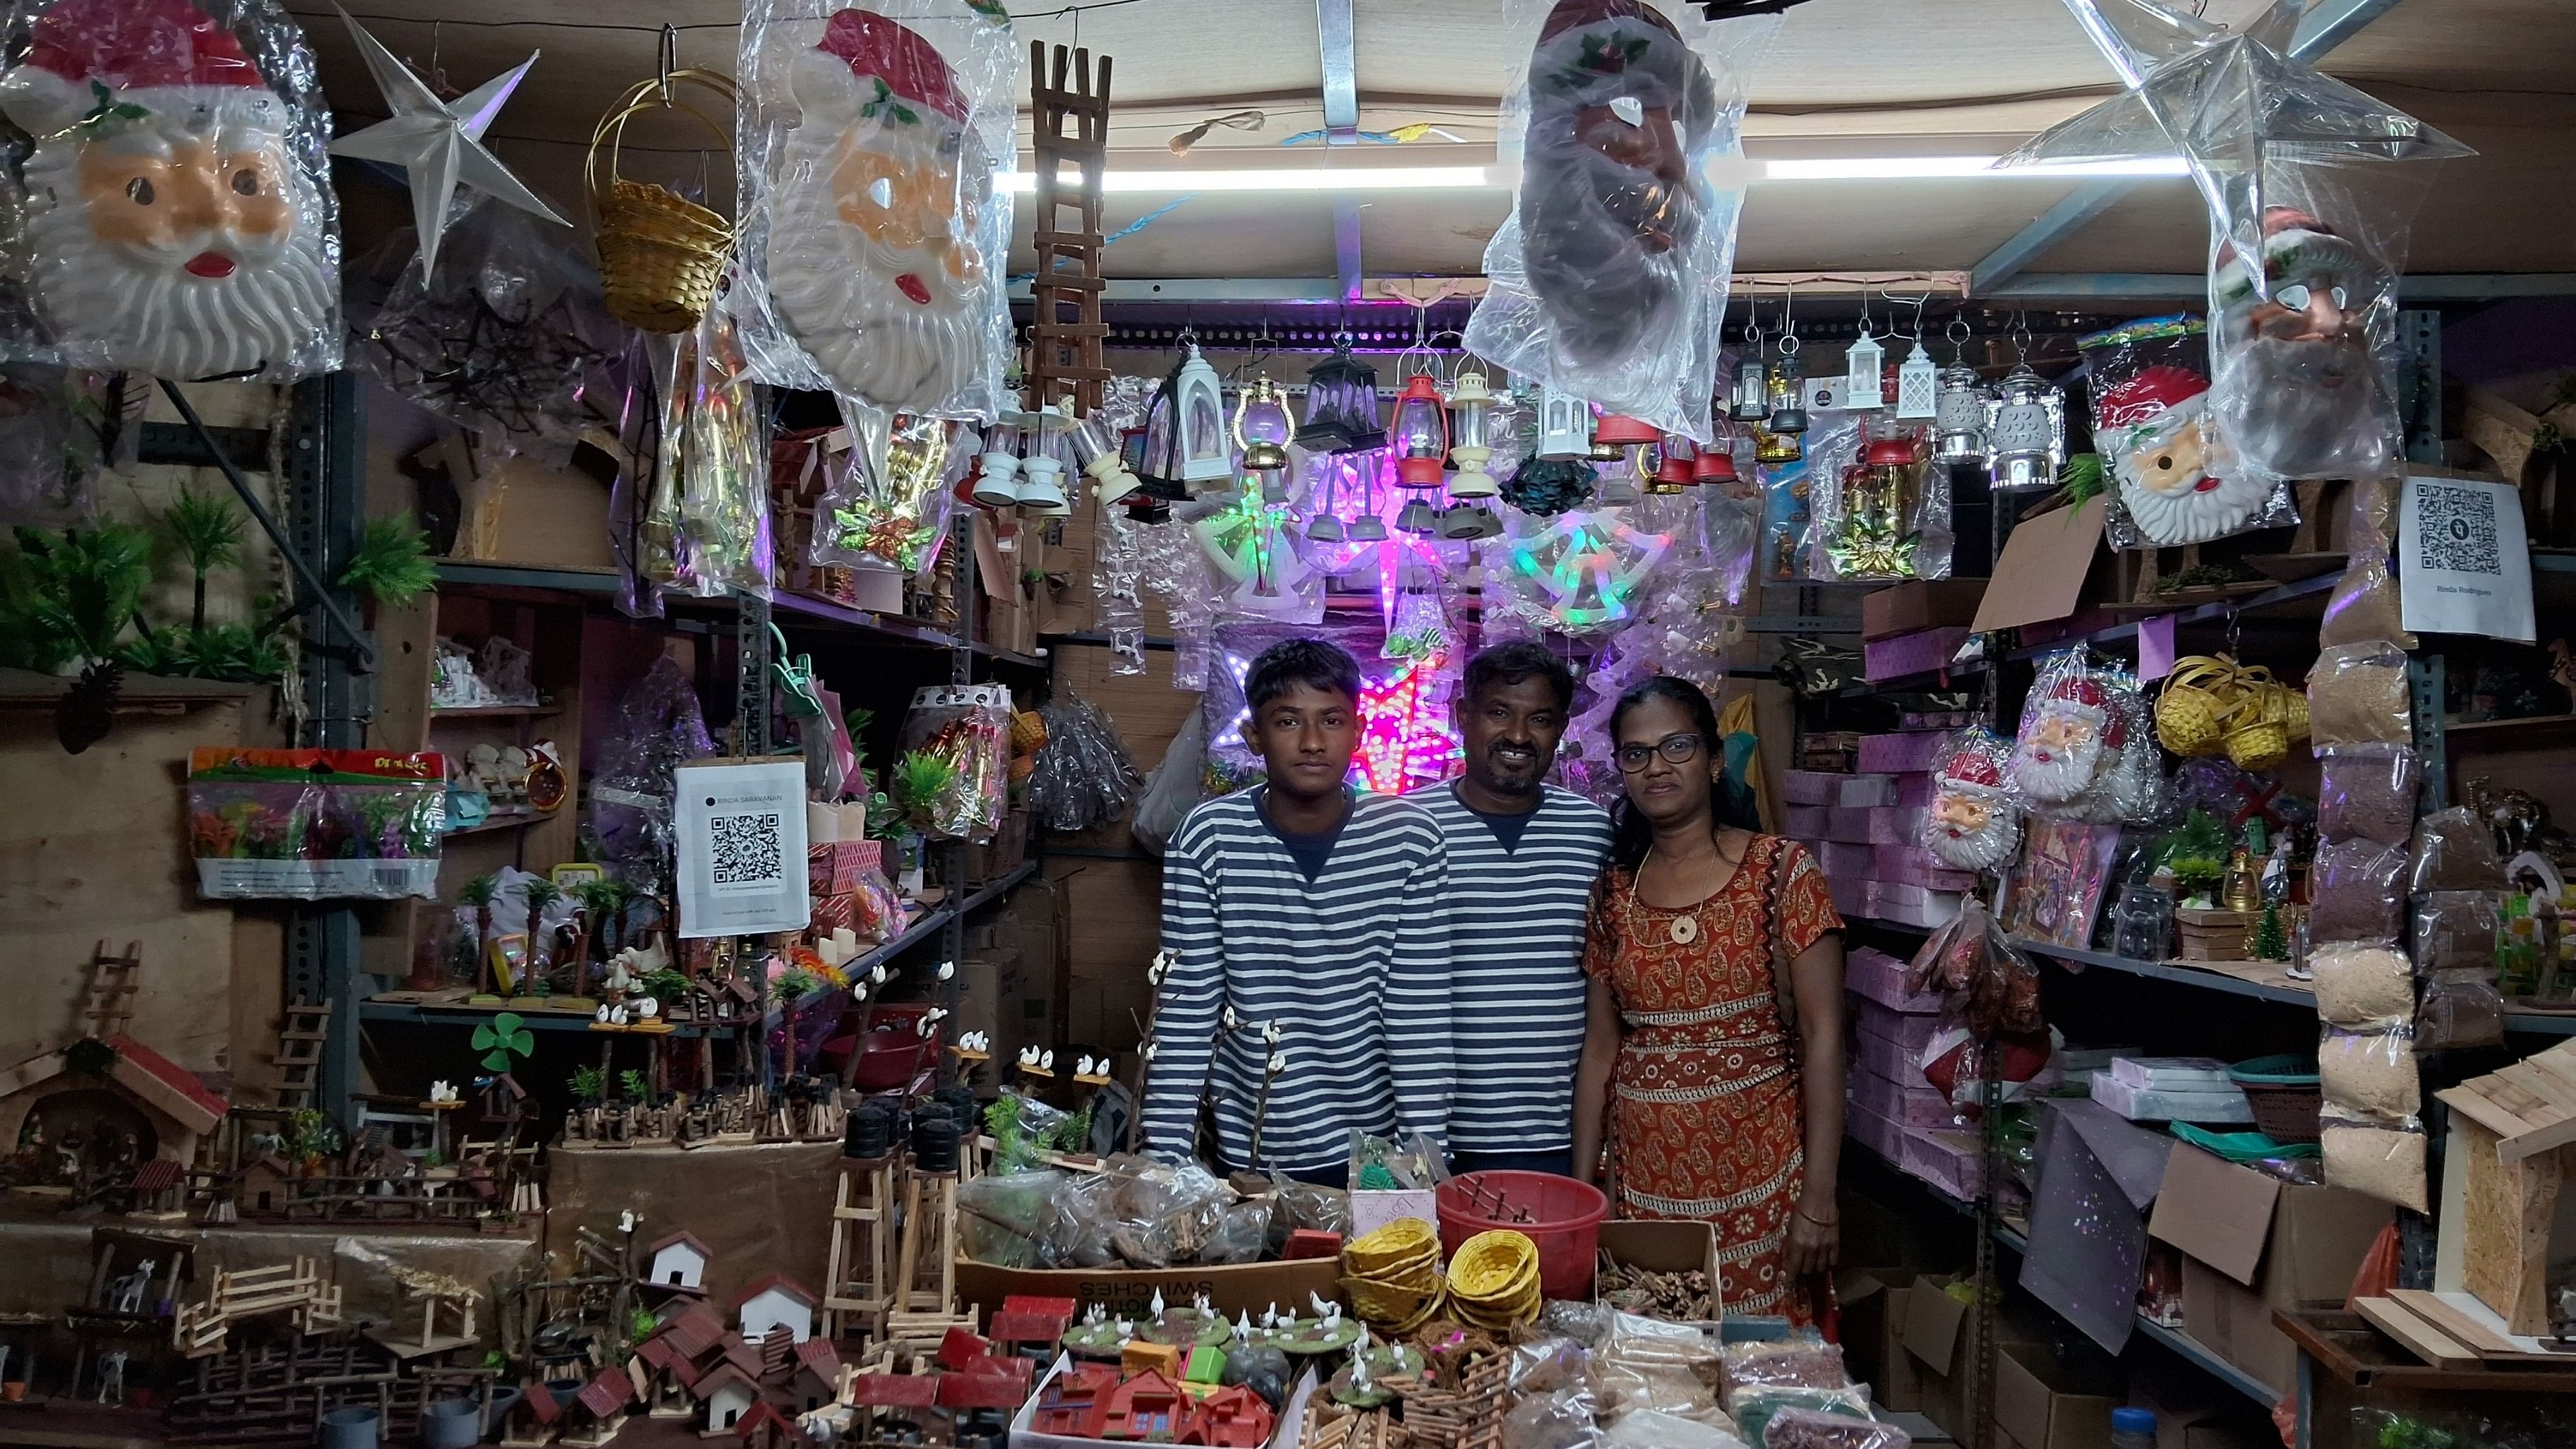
pixel 1083 776
pixel 2085 750
pixel 2381 1157
pixel 2367 792
pixel 2370 1070
pixel 967 728
pixel 1885 513
pixel 2460 1009
pixel 888 507
pixel 2359 984
pixel 2454 851
pixel 59 428
pixel 659 728
pixel 2365 606
pixel 2357 892
pixel 1801 1428
pixel 1756 1407
pixel 1670 1368
pixel 236 272
pixel 2150 385
pixel 1806 1360
pixel 872 240
pixel 1607 277
pixel 315 824
pixel 1974 822
pixel 706 530
pixel 2456 931
pixel 2357 694
pixel 1003 1217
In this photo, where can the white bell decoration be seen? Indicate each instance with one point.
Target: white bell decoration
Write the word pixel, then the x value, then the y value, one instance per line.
pixel 1863 387
pixel 1206 447
pixel 1042 472
pixel 1918 385
pixel 1564 425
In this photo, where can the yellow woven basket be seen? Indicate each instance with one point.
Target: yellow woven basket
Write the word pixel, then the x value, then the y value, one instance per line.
pixel 659 256
pixel 2258 734
pixel 2198 697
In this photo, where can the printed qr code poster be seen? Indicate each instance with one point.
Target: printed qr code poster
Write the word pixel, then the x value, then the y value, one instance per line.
pixel 741 848
pixel 2461 558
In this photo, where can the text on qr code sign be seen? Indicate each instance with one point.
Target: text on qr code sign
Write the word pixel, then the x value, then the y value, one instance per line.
pixel 744 849
pixel 2455 529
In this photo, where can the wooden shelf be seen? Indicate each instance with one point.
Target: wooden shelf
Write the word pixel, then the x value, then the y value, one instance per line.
pixel 507 820
pixel 2262 980
pixel 2492 732
pixel 495 711
pixel 26 687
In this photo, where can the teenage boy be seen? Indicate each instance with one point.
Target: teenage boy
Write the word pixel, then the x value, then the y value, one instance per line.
pixel 1522 858
pixel 1302 909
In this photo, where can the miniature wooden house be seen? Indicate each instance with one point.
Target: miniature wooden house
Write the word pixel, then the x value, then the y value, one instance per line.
pixel 679 1262
pixel 773 1302
pixel 663 1376
pixel 1073 1403
pixel 529 1422
pixel 763 1427
pixel 1147 1406
pixel 885 1400
pixel 727 1394
pixel 817 1380
pixel 596 1413
pixel 136 1093
pixel 2512 1144
pixel 266 1185
pixel 1230 1418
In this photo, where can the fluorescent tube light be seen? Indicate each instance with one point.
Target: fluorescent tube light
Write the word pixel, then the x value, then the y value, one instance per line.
pixel 1459 178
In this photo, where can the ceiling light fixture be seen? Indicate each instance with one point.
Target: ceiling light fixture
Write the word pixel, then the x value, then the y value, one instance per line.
pixel 1494 178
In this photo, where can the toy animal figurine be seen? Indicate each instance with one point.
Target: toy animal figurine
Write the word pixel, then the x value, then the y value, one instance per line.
pixel 628 969
pixel 125 1295
pixel 111 1376
pixel 646 1008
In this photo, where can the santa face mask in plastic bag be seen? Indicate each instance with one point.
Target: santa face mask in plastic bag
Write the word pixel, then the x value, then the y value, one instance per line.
pixel 174 218
pixel 2074 735
pixel 869 152
pixel 1606 275
pixel 2150 387
pixel 1974 822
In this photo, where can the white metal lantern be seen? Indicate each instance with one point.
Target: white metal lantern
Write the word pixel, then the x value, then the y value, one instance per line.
pixel 1863 370
pixel 1918 385
pixel 1564 425
pixel 1471 436
pixel 1095 447
pixel 1042 472
pixel 998 485
pixel 1207 449
pixel 1959 415
pixel 2026 431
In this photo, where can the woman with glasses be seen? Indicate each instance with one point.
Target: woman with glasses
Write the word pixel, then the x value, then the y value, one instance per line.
pixel 1713 1053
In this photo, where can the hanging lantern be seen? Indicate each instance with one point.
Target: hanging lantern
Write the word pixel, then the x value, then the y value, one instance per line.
pixel 1042 471
pixel 1206 452
pixel 1715 463
pixel 1788 395
pixel 1861 373
pixel 1468 521
pixel 1418 517
pixel 1471 437
pixel 1323 491
pixel 1918 385
pixel 1674 461
pixel 1618 482
pixel 1367 525
pixel 1750 400
pixel 1420 430
pixel 1959 415
pixel 2026 431
pixel 1261 426
pixel 1564 426
pixel 1341 405
pixel 1625 431
pixel 998 481
pixel 1771 447
pixel 1096 450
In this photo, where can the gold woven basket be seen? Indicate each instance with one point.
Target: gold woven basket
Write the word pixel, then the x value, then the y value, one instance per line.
pixel 2192 711
pixel 659 256
pixel 2258 734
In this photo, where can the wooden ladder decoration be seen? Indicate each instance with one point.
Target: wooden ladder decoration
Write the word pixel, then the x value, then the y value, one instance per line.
pixel 860 1278
pixel 111 990
pixel 299 1052
pixel 1071 128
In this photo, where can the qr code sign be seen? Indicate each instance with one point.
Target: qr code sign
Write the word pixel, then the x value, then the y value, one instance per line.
pixel 2455 529
pixel 744 851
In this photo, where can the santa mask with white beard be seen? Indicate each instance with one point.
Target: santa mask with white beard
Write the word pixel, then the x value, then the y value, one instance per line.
pixel 2297 393
pixel 1974 823
pixel 876 249
pixel 169 226
pixel 2150 427
pixel 2071 739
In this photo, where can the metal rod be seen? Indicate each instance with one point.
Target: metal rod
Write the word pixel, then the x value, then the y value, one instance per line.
pixel 312 582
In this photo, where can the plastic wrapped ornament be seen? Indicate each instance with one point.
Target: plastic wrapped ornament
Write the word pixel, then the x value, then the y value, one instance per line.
pixel 2070 735
pixel 2025 431
pixel 1974 823
pixel 1874 535
pixel 2151 425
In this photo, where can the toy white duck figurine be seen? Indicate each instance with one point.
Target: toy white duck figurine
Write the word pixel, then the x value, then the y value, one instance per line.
pixel 647 1008
pixel 442 1092
pixel 600 1016
pixel 1155 1307
pixel 1028 1058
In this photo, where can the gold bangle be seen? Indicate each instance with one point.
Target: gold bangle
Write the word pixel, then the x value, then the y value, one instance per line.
pixel 1834 1221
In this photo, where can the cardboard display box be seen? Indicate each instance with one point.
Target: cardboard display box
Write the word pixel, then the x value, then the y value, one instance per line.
pixel 1922 604
pixel 1873 1310
pixel 1290 1426
pixel 2044 1401
pixel 2252 1243
pixel 1941 1335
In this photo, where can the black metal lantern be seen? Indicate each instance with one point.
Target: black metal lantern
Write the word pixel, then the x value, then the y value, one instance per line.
pixel 1341 405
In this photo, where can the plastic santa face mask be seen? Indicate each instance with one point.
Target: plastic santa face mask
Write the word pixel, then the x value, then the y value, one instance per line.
pixel 169 228
pixel 2153 429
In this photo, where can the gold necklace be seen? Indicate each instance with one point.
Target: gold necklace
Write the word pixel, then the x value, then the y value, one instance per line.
pixel 1683 928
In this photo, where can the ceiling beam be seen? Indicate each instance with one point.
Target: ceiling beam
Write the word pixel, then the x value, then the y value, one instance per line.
pixel 1342 128
pixel 2029 287
pixel 2329 24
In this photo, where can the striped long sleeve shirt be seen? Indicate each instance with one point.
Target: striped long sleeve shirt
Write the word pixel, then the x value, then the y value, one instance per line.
pixel 1352 966
pixel 1516 967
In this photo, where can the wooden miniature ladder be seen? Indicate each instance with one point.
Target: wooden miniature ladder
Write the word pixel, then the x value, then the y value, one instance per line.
pixel 861 1271
pixel 111 990
pixel 299 1051
pixel 1071 128
pixel 929 1229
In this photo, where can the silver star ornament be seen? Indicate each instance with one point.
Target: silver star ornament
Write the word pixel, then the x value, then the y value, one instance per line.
pixel 438 144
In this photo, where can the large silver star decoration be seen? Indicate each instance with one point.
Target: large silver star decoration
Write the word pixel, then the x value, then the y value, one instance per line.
pixel 438 144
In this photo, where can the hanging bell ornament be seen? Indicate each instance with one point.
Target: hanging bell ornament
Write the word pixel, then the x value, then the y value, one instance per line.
pixel 2026 429
pixel 1959 415
pixel 1864 363
pixel 1918 385
pixel 1788 393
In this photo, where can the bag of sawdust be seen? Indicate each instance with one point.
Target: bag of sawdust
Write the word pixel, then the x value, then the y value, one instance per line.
pixel 2380 1157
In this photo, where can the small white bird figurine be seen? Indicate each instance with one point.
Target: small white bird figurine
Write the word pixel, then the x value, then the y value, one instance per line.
pixel 1028 1057
pixel 1082 1068
pixel 617 1014
pixel 441 1092
pixel 1156 1307
pixel 1046 1063
pixel 1242 1326
pixel 1126 1328
pixel 1316 1301
pixel 1270 1033
pixel 1199 1301
pixel 626 1221
pixel 1150 1049
pixel 1270 1316
pixel 647 1008
pixel 1278 1063
pixel 601 1014
pixel 947 969
pixel 1232 1021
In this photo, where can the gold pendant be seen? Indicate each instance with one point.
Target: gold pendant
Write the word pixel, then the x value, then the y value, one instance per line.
pixel 1685 930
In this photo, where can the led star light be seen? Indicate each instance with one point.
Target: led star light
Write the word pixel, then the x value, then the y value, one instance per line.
pixel 1590 564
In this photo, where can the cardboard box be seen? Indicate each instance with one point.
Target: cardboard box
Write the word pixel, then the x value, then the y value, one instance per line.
pixel 1373 1209
pixel 2253 1243
pixel 1238 1288
pixel 1940 1333
pixel 1922 604
pixel 1290 1427
pixel 518 511
pixel 2045 1401
pixel 1873 1308
pixel 1661 1246
pixel 2041 574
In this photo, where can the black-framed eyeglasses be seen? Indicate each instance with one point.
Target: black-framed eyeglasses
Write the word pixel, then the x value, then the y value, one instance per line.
pixel 1678 749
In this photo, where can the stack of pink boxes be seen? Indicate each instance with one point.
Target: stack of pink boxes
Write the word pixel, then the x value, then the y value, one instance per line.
pixel 1893 1110
pixel 1865 829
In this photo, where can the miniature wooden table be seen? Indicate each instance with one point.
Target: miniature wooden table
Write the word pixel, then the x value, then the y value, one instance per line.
pixel 2345 1364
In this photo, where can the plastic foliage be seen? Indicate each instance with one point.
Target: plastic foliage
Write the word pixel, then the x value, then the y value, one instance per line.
pixel 392 562
pixel 872 240
pixel 2149 382
pixel 67 598
pixel 114 98
pixel 505 1036
pixel 659 728
pixel 2196 854
pixel 315 824
pixel 2308 225
pixel 966 729
pixel 206 530
pixel 1607 276
pixel 706 529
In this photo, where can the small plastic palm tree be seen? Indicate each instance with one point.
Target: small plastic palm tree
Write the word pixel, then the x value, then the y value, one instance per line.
pixel 207 531
pixel 478 894
pixel 920 778
pixel 539 895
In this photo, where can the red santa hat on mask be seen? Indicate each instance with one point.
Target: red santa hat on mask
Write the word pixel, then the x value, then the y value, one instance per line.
pixel 164 56
pixel 867 67
pixel 2153 395
pixel 1972 772
pixel 2086 699
pixel 2294 243
pixel 1593 52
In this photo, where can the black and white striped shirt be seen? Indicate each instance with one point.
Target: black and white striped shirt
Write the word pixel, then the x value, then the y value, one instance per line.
pixel 1516 967
pixel 1352 967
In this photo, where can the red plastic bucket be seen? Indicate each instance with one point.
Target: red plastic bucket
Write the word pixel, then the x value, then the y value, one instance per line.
pixel 1564 1221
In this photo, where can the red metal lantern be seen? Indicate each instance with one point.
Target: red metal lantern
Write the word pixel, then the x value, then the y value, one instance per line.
pixel 1420 433
pixel 1622 430
pixel 1674 470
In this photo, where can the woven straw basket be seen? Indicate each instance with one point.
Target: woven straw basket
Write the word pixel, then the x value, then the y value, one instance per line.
pixel 2191 713
pixel 659 256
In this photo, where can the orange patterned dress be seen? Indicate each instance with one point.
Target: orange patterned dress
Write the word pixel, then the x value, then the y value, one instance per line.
pixel 1705 1117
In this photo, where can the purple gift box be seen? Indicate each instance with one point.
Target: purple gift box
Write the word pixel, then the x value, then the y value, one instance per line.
pixel 1946 1159
pixel 1897 754
pixel 1878 978
pixel 1917 1106
pixel 1922 651
pixel 1868 790
pixel 1810 787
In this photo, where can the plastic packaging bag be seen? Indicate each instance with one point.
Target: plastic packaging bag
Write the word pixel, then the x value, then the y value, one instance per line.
pixel 2460 1009
pixel 1607 277
pixel 1560 1420
pixel 706 530
pixel 658 729
pixel 888 509
pixel 1806 1361
pixel 1003 1217
pixel 1974 822
pixel 58 429
pixel 2150 386
pixel 2366 606
pixel 1083 776
pixel 2366 792
pixel 1797 1428
pixel 2357 694
pixel 1172 791
pixel 1648 1429
pixel 2454 851
pixel 1671 1368
pixel 871 238
pixel 2073 758
pixel 2357 892
pixel 115 96
pixel 315 824
pixel 2359 984
pixel 2456 931
pixel 2379 1156
pixel 968 728
pixel 1884 513
pixel 1755 1407
pixel 2370 1070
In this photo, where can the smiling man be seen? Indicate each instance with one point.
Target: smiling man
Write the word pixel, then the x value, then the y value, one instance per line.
pixel 1309 942
pixel 1522 857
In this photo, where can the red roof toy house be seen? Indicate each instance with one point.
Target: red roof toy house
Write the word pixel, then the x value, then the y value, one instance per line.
pixel 728 1394
pixel 895 1398
pixel 961 1348
pixel 1147 1406
pixel 763 1427
pixel 1028 1333
pixel 1230 1418
pixel 1063 1308
pixel 529 1422
pixel 774 1302
pixel 818 1374
pixel 596 1413
pixel 1072 1403
pixel 666 1375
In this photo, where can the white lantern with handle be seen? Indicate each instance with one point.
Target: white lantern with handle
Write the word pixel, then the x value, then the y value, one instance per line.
pixel 1863 367
pixel 1207 447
